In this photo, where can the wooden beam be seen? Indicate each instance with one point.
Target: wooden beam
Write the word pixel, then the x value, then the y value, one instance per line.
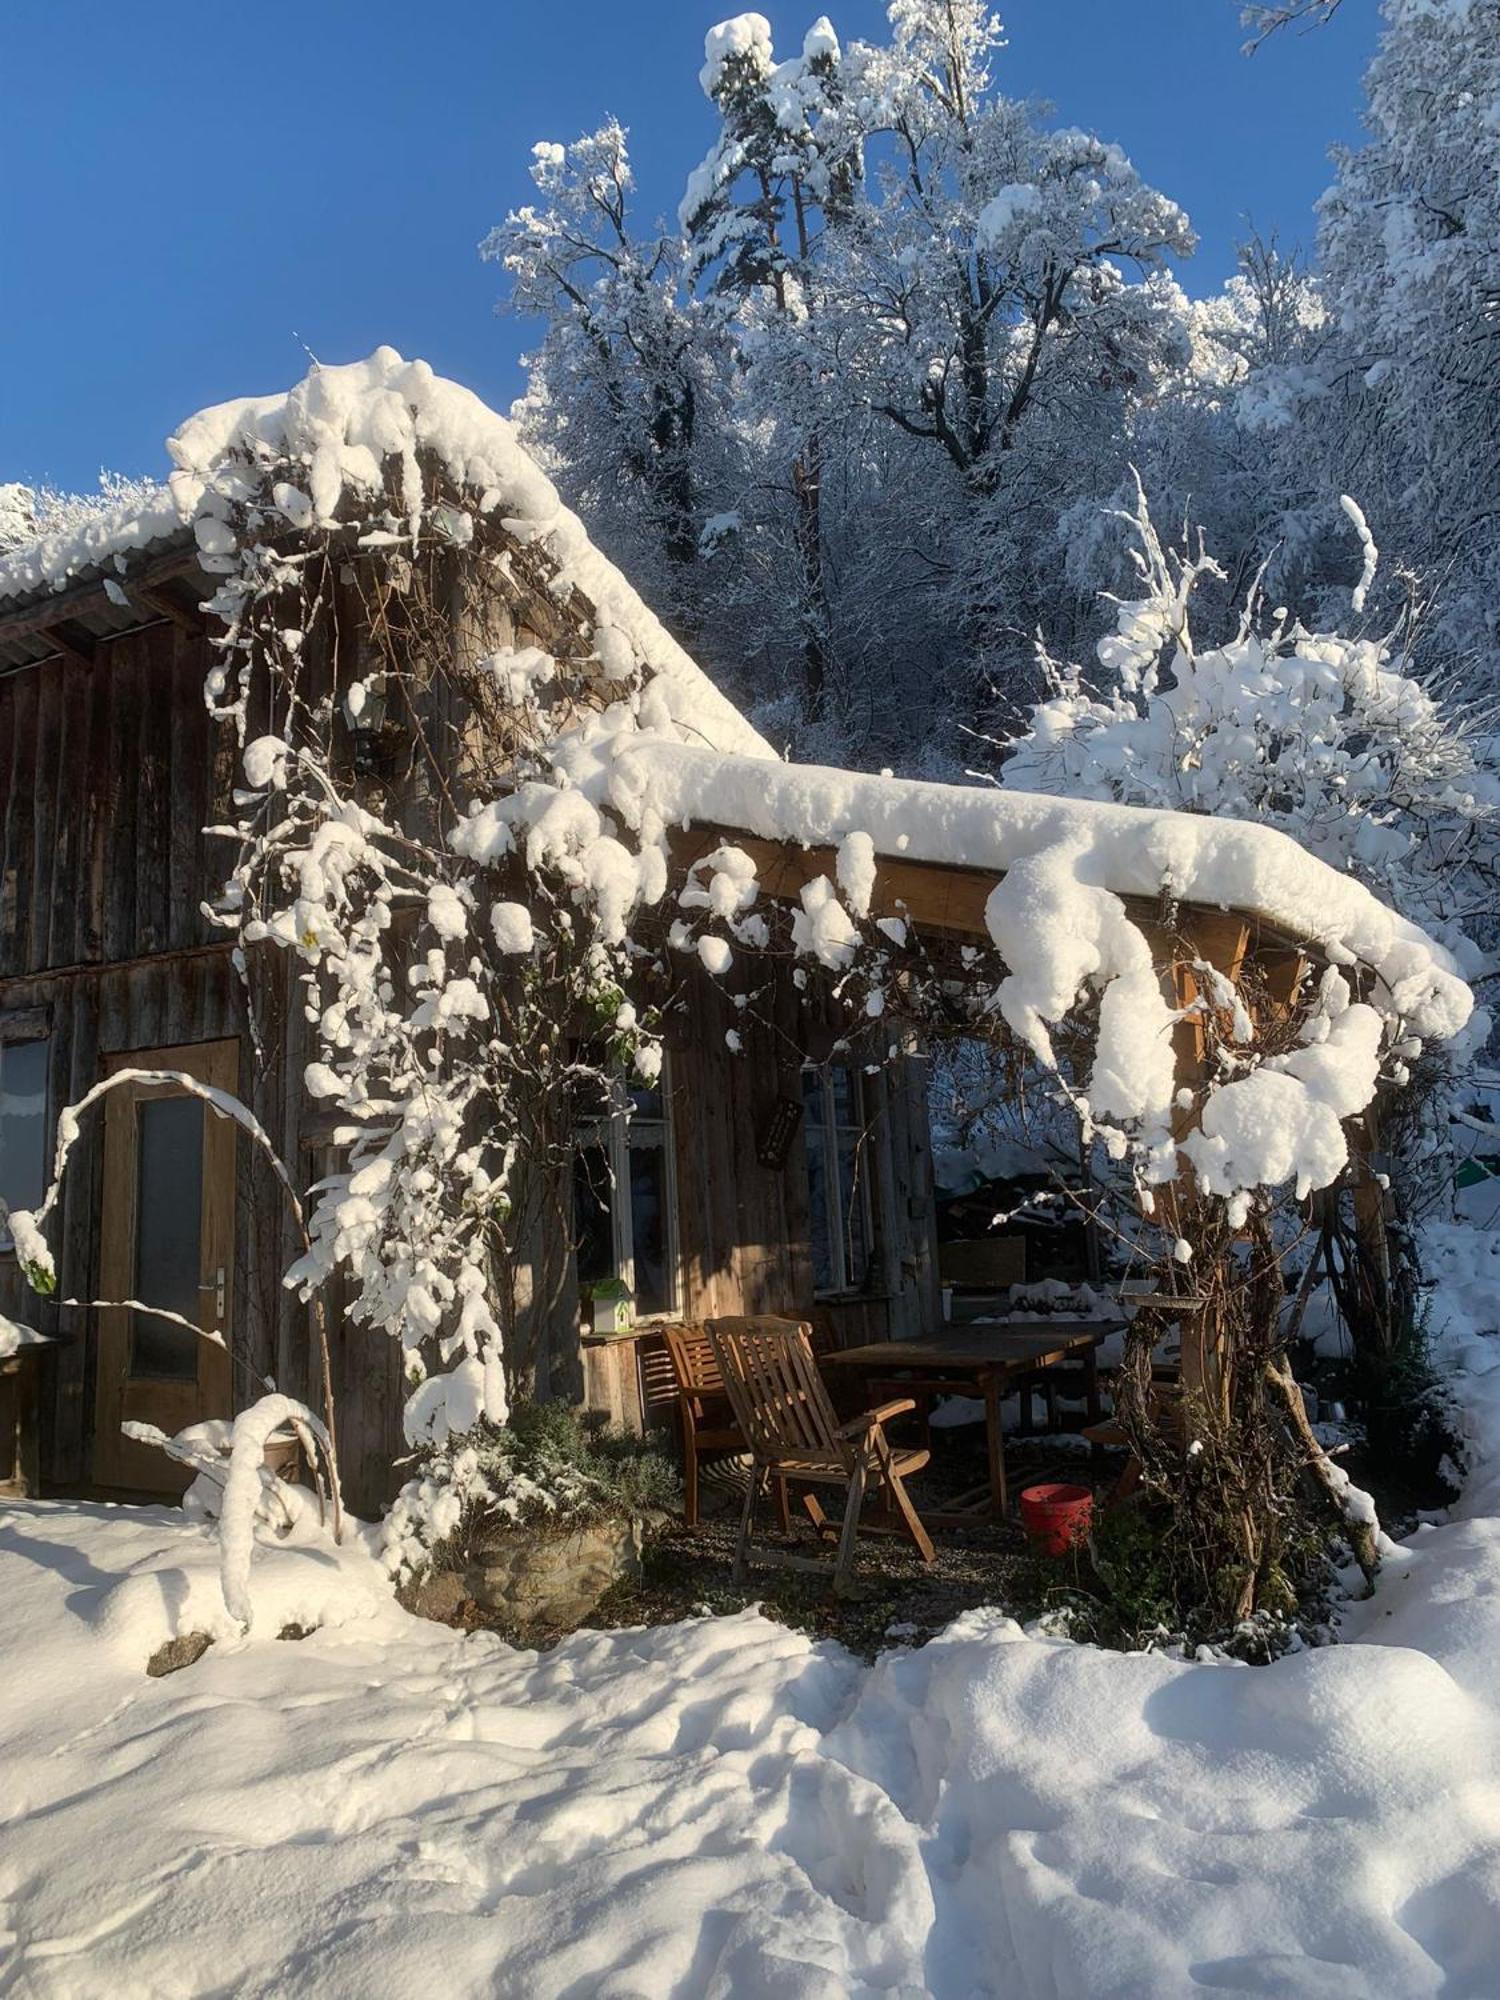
pixel 84 968
pixel 72 642
pixel 931 895
pixel 937 896
pixel 186 617
pixel 38 619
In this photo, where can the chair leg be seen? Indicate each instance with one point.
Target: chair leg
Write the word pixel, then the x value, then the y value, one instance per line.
pixel 689 1477
pixel 994 1440
pixel 742 1546
pixel 783 1508
pixel 843 1568
pixel 913 1520
pixel 895 1486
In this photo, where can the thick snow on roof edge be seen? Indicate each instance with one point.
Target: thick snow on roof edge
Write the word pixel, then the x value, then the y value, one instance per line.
pixel 343 424
pixel 1128 850
pixel 54 560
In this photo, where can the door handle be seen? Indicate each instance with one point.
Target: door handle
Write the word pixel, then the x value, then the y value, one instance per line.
pixel 216 1286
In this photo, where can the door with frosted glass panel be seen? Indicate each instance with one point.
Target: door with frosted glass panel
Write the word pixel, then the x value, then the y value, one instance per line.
pixel 166 1240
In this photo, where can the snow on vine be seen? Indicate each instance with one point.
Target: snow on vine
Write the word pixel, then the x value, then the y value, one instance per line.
pixel 467 952
pixel 589 809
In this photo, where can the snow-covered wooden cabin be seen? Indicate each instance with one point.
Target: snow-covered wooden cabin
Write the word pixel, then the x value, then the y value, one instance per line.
pixel 767 1173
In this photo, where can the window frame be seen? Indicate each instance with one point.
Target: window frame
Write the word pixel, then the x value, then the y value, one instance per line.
pixel 611 1130
pixel 825 1134
pixel 24 1027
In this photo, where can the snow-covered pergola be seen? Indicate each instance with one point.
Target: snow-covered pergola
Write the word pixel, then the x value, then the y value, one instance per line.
pixel 601 821
pixel 1072 897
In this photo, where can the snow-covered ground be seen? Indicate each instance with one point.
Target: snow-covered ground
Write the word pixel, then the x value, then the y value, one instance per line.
pixel 724 1807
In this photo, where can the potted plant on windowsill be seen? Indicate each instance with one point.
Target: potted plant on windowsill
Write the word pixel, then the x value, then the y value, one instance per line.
pixel 612 1305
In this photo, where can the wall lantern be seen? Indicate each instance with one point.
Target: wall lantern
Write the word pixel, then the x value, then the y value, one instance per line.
pixel 364 711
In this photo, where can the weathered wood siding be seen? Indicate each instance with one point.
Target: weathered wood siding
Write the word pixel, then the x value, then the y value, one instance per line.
pixel 745 1227
pixel 109 771
pixel 110 768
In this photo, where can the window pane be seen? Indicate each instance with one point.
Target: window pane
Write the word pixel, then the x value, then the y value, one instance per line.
pixel 648 1223
pixel 852 1201
pixel 591 1103
pixel 825 1277
pixel 23 1125
pixel 812 1096
pixel 844 1084
pixel 647 1104
pixel 593 1231
pixel 168 1234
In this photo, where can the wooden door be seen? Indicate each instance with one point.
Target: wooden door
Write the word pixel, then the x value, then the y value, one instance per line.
pixel 166 1239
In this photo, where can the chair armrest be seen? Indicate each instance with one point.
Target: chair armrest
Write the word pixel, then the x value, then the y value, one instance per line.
pixel 868 1419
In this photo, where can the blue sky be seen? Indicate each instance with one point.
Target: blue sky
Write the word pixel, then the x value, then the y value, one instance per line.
pixel 203 189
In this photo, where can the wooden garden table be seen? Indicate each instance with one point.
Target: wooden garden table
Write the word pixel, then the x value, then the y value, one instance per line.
pixel 960 1360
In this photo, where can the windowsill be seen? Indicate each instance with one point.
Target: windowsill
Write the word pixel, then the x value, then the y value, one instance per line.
pixel 653 1324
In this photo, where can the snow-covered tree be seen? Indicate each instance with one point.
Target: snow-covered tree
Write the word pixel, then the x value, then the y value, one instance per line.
pixel 18 515
pixel 1329 735
pixel 1410 242
pixel 991 273
pixel 27 512
pixel 915 320
pixel 629 384
pixel 1325 734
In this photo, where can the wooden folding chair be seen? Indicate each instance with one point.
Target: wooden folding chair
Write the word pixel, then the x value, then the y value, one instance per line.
pixel 784 1410
pixel 704 1414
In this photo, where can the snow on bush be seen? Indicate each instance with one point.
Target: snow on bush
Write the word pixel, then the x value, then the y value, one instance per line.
pixel 547 1466
pixel 243 1501
pixel 1318 733
pixel 441 1039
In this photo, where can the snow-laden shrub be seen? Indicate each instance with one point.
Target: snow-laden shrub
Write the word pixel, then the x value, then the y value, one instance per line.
pixel 1328 735
pixel 546 1466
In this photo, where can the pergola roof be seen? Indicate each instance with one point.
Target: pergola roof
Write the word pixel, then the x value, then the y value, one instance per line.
pixel 950 844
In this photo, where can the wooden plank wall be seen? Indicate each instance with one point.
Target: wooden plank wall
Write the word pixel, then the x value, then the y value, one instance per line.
pixel 745 1228
pixel 109 772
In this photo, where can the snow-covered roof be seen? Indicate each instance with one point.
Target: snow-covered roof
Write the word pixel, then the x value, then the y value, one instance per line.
pixel 100 543
pixel 344 424
pixel 1126 850
pixel 345 428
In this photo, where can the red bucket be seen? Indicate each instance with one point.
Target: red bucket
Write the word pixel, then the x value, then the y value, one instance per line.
pixel 1057 1517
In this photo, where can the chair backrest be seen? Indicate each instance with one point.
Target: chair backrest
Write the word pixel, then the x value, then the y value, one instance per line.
pixel 657 1372
pixel 694 1362
pixel 823 1327
pixel 778 1397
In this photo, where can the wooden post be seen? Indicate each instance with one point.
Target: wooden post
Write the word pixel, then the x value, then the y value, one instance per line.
pixel 1372 1235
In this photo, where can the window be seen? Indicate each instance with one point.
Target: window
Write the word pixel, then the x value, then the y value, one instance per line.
pixel 23 1126
pixel 838 1177
pixel 625 1197
pixel 168 1229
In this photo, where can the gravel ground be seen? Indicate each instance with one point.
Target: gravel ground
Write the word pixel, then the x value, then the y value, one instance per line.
pixel 897 1598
